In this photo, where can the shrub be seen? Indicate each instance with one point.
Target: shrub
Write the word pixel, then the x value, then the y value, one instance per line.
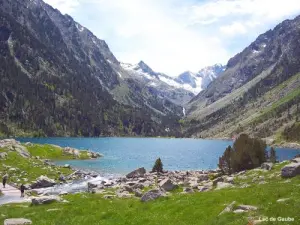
pixel 272 157
pixel 225 161
pixel 246 153
pixel 158 166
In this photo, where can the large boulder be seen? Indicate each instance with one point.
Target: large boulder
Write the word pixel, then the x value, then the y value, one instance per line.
pixel 43 182
pixel 152 195
pixel 290 170
pixel 140 172
pixel 17 221
pixel 267 166
pixel 167 185
pixel 45 200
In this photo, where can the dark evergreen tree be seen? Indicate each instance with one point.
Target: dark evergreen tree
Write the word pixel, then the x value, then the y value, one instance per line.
pixel 158 166
pixel 272 157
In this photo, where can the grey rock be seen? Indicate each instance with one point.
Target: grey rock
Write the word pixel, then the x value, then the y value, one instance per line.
pixel 3 155
pixel 267 166
pixel 228 208
pixel 239 211
pixel 167 185
pixel 140 172
pixel 290 170
pixel 138 193
pixel 247 207
pixel 152 195
pixel 109 196
pixel 45 200
pixel 221 185
pixel 188 190
pixel 43 182
pixel 218 179
pixel 17 221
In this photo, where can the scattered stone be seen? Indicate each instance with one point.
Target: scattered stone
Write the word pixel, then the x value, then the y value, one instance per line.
pixel 247 207
pixel 267 166
pixel 188 190
pixel 109 196
pixel 167 185
pixel 140 172
pixel 296 160
pixel 138 193
pixel 43 182
pixel 45 200
pixel 228 208
pixel 3 155
pixel 62 178
pixel 67 166
pixel 229 180
pixel 290 170
pixel 151 195
pixel 221 185
pixel 283 199
pixel 238 211
pixel 217 180
pixel 52 210
pixel 19 221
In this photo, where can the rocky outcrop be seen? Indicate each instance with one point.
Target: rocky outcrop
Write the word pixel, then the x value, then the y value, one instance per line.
pixel 45 200
pixel 14 146
pixel 140 172
pixel 43 182
pixel 290 170
pixel 152 195
pixel 17 221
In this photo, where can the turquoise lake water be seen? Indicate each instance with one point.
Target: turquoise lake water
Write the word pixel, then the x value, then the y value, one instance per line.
pixel 122 155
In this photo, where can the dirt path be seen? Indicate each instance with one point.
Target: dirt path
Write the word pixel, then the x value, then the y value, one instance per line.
pixel 11 195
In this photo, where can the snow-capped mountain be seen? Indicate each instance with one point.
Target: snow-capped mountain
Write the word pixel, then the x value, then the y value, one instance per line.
pixel 197 82
pixel 181 88
pixel 210 73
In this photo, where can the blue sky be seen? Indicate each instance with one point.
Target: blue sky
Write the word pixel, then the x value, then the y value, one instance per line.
pixel 173 36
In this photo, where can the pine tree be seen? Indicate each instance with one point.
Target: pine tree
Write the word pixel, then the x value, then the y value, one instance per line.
pixel 158 166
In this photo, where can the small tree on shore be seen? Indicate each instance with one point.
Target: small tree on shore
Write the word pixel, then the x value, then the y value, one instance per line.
pixel 272 157
pixel 225 161
pixel 158 166
pixel 246 153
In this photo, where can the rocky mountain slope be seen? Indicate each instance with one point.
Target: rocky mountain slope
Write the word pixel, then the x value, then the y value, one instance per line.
pixel 258 93
pixel 57 78
pixel 179 90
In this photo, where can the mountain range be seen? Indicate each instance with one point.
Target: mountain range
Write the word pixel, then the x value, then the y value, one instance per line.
pixel 59 79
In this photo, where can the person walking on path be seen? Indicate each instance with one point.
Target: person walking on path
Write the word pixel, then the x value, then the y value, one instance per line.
pixel 4 179
pixel 22 189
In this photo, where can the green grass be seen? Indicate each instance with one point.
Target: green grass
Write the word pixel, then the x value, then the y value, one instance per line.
pixel 197 208
pixel 29 169
pixel 52 152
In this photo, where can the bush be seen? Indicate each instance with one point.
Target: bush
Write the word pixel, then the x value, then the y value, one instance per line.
pixel 272 157
pixel 246 153
pixel 158 166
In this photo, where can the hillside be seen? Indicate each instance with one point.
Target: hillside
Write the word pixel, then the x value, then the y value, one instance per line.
pixel 58 79
pixel 258 93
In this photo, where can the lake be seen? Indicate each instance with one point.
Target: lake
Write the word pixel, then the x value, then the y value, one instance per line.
pixel 122 155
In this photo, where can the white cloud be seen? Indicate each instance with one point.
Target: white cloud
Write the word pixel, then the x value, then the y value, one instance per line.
pixel 65 6
pixel 234 29
pixel 173 35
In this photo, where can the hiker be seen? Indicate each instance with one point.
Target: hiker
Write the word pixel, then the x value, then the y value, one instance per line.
pixel 22 189
pixel 4 180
